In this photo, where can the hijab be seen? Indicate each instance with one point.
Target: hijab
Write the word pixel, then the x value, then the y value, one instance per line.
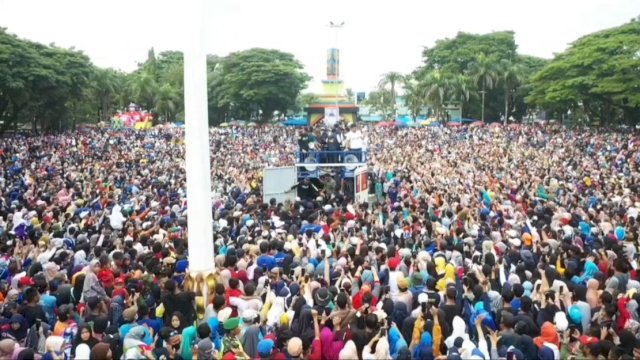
pixel 20 334
pixel 349 351
pixel 250 340
pixel 183 321
pixel 399 314
pixel 188 337
pixel 396 341
pixel 424 350
pixel 331 345
pixel 78 339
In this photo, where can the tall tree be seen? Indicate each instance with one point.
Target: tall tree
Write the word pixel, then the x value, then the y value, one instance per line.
pixel 414 96
pixel 597 75
pixel 391 79
pixel 484 72
pixel 511 75
pixel 437 89
pixel 269 80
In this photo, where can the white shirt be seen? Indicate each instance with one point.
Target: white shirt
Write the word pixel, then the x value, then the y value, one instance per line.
pixel 356 139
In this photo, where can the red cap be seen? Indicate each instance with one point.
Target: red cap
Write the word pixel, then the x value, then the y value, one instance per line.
pixel 393 263
pixel 25 281
pixel 588 340
pixel 229 356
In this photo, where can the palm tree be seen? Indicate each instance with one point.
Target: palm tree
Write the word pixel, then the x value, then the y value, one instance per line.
pixel 511 75
pixel 391 78
pixel 460 90
pixel 144 89
pixel 436 87
pixel 483 71
pixel 106 86
pixel 168 102
pixel 414 96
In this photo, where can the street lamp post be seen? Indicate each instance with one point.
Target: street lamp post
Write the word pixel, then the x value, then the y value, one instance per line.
pixel 336 81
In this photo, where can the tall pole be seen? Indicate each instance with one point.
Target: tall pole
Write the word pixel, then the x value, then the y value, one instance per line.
pixel 336 27
pixel 199 215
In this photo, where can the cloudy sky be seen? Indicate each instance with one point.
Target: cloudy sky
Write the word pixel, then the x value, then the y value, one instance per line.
pixel 378 36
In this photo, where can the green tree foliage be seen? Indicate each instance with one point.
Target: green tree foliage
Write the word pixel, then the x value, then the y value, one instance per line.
pixel 381 101
pixel 44 86
pixel 390 80
pixel 599 75
pixel 264 80
pixel 469 70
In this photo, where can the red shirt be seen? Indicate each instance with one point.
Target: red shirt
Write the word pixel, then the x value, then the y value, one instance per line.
pixel 316 350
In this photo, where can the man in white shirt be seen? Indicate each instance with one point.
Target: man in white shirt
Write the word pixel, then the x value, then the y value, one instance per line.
pixel 355 141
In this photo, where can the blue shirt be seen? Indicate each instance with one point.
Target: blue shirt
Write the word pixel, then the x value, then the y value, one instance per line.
pixel 266 262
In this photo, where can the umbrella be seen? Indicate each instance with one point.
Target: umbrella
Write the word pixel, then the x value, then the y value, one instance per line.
pixel 495 125
pixel 251 124
pixel 399 124
pixel 384 124
pixel 454 124
pixel 435 124
pixel 514 126
pixel 225 124
pixel 477 123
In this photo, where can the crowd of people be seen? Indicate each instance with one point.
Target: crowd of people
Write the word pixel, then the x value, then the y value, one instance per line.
pixel 477 243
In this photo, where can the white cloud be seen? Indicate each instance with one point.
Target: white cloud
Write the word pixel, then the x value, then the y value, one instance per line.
pixel 379 35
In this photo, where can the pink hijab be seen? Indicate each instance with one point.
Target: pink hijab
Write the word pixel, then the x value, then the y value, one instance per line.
pixel 331 345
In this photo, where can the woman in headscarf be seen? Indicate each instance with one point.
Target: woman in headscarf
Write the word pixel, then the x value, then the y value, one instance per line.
pixel 590 269
pixel 449 276
pixel 276 311
pixel 18 329
pixel 396 341
pixel 53 348
pixel 424 350
pixel 178 322
pixel 399 313
pixel 304 328
pixel 216 336
pixel 133 344
pixel 349 351
pixel 250 339
pixel 459 329
pixel 84 336
pixel 331 341
pixel 188 338
pixel 84 352
pixel 92 286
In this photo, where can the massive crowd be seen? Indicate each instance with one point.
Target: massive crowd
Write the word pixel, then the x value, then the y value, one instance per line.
pixel 483 243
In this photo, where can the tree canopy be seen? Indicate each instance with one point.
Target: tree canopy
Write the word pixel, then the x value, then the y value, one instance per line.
pixel 598 77
pixel 481 73
pixel 52 88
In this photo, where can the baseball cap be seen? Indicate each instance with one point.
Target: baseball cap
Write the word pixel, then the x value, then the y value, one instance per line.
pixel 588 340
pixel 25 281
pixel 393 263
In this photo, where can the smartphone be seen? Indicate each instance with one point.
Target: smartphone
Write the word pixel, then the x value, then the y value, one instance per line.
pixel 424 307
pixel 303 270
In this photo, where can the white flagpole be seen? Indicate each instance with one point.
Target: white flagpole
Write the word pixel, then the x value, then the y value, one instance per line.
pixel 198 168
